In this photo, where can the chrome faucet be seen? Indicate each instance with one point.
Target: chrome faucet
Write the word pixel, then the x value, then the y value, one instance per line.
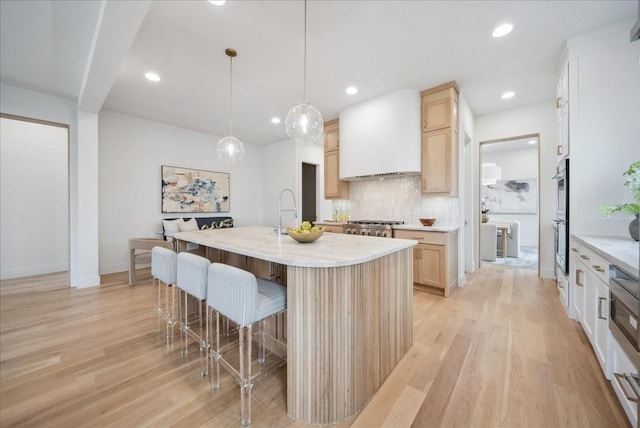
pixel 280 229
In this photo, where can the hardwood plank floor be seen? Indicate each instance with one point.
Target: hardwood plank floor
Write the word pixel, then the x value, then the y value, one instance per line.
pixel 499 352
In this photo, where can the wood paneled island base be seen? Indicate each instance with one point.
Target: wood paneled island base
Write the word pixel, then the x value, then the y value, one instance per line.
pixel 349 313
pixel 347 328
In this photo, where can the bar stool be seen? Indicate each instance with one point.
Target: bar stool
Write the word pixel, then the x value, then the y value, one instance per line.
pixel 192 281
pixel 163 270
pixel 245 300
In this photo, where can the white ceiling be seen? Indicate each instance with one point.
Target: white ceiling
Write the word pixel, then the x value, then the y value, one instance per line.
pixel 379 46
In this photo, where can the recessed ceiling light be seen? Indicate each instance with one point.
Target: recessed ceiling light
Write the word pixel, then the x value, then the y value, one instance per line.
pixel 275 120
pixel 532 142
pixel 352 90
pixel 508 95
pixel 152 76
pixel 217 2
pixel 502 30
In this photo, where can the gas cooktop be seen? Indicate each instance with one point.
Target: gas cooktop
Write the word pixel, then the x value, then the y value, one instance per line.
pixel 376 222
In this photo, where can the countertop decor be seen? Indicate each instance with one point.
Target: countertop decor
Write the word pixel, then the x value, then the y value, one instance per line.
pixel 633 183
pixel 305 238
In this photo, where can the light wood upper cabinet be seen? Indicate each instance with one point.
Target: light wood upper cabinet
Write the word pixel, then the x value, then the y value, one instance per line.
pixel 439 149
pixel 436 112
pixel 562 113
pixel 438 160
pixel 334 188
pixel 331 136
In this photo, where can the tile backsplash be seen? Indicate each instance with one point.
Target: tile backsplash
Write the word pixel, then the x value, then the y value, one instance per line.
pixel 397 198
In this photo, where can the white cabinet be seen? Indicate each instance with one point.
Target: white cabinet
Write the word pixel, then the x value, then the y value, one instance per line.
pixel 603 334
pixel 589 314
pixel 591 280
pixel 562 112
pixel 621 365
pixel 563 290
pixel 576 283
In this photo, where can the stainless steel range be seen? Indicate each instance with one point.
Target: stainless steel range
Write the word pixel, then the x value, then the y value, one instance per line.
pixel 381 228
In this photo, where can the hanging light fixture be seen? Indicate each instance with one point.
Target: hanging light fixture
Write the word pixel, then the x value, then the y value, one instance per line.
pixel 304 122
pixel 230 148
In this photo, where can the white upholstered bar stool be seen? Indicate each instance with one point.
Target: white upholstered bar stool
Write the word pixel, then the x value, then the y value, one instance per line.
pixel 245 300
pixel 192 281
pixel 163 271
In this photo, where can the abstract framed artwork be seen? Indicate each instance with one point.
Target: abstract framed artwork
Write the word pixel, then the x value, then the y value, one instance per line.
pixel 511 196
pixel 187 190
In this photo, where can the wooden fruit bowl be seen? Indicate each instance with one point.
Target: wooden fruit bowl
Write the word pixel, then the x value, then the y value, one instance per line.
pixel 428 221
pixel 305 238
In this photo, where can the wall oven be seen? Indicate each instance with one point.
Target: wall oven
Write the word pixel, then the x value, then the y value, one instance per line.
pixel 561 221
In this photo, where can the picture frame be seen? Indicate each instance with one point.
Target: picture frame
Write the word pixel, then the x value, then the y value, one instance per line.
pixel 511 196
pixel 186 190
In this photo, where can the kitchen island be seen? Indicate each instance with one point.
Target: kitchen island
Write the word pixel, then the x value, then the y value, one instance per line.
pixel 349 313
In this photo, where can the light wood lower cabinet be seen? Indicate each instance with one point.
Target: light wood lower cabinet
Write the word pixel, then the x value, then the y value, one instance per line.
pixel 331 228
pixel 435 260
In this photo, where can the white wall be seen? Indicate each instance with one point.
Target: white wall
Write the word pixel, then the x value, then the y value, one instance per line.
pixel 34 208
pixel 516 165
pixel 604 108
pixel 279 160
pixel 132 151
pixel 31 104
pixel 539 118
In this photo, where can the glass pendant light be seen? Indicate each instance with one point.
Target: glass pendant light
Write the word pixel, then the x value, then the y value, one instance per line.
pixel 230 149
pixel 304 122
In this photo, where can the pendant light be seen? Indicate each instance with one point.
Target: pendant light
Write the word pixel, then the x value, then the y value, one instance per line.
pixel 230 148
pixel 304 122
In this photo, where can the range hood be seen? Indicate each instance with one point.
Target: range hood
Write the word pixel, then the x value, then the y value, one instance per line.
pixel 381 137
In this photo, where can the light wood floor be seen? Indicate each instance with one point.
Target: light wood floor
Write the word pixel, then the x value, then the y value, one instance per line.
pixel 498 353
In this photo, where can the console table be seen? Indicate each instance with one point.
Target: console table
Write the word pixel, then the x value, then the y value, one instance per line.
pixel 144 245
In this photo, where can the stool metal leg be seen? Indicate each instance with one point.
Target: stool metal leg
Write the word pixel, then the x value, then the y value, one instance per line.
pixel 245 375
pixel 171 313
pixel 203 343
pixel 215 376
pixel 261 341
pixel 185 323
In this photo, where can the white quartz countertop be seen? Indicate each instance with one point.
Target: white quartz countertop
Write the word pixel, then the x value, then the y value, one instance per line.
pixel 330 250
pixel 426 228
pixel 620 251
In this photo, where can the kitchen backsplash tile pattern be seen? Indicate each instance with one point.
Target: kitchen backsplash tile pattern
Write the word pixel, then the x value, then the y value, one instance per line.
pixel 397 198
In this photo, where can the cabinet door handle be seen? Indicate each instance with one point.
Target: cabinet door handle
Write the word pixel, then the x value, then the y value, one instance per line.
pixel 575 250
pixel 579 278
pixel 560 284
pixel 583 257
pixel 621 379
pixel 600 300
pixel 424 182
pixel 598 268
pixel 424 124
pixel 558 102
pixel 559 150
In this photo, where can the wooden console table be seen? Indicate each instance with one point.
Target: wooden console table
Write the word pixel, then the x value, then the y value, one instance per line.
pixel 145 245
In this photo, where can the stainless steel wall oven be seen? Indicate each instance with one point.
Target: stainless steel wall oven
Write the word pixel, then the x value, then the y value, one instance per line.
pixel 561 222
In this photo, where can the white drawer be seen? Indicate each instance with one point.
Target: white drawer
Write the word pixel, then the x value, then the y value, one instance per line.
pixel 597 264
pixel 621 364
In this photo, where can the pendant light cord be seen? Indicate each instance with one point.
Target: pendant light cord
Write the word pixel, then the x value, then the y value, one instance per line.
pixel 304 88
pixel 230 94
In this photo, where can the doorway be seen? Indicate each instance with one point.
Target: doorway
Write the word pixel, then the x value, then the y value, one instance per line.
pixel 34 208
pixel 309 212
pixel 509 198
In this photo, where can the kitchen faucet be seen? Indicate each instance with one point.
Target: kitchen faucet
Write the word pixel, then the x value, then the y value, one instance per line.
pixel 280 230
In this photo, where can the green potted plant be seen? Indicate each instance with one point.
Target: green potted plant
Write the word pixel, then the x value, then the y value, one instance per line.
pixel 633 183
